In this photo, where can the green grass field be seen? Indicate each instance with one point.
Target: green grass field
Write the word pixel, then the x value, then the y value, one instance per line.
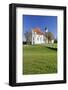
pixel 39 59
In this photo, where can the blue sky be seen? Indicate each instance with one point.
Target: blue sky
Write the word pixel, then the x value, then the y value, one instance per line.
pixel 33 21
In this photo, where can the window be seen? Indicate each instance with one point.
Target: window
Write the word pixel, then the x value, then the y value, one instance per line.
pixel 33 38
pixel 38 39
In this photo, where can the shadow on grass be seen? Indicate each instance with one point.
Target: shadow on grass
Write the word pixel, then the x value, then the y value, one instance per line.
pixel 52 48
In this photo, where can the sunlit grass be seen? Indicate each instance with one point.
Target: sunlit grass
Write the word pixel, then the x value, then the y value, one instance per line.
pixel 38 59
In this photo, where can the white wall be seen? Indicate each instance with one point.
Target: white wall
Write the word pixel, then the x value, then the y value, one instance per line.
pixel 4 47
pixel 38 40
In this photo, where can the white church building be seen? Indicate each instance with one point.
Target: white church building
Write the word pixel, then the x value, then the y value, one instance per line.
pixel 36 36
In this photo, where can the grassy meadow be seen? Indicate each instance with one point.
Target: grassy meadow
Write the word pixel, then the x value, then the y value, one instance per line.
pixel 39 59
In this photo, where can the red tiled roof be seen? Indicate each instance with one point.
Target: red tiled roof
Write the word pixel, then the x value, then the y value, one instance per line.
pixel 38 31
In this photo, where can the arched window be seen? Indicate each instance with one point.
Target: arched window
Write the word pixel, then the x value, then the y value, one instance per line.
pixel 38 38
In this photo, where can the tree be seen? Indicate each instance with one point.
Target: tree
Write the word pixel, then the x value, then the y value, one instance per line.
pixel 55 41
pixel 28 36
pixel 49 36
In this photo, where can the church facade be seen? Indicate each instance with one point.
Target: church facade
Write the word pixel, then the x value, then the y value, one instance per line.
pixel 37 36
